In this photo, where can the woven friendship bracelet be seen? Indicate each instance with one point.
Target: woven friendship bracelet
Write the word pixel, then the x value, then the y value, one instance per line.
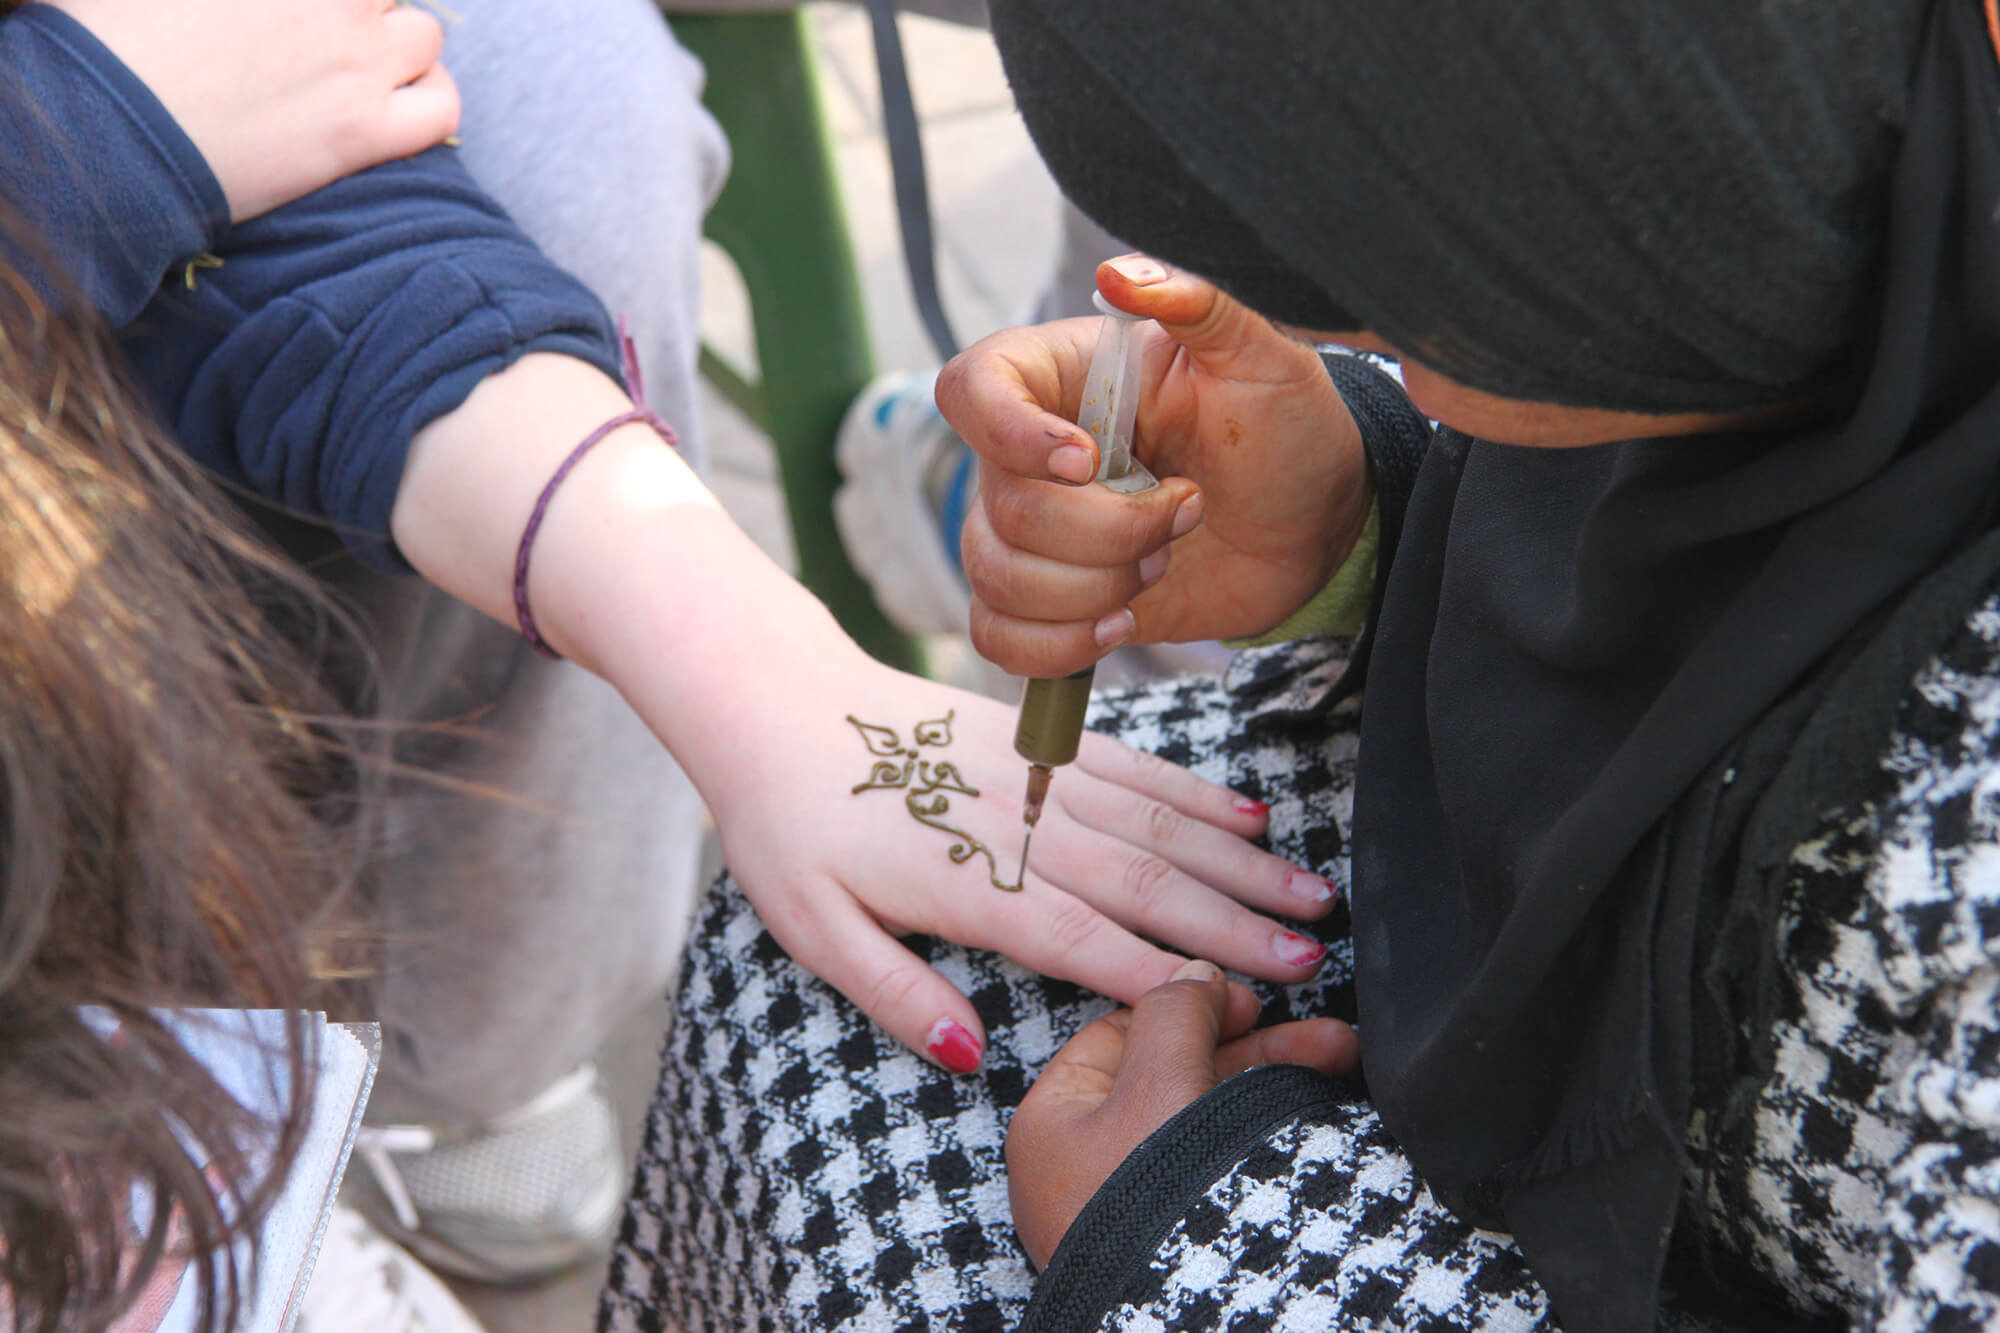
pixel 639 415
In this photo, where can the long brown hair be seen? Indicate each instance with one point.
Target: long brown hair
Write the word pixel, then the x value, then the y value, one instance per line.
pixel 155 846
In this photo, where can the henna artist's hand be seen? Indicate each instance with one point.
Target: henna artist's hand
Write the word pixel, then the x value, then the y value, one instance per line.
pixel 1127 1074
pixel 1263 491
pixel 284 96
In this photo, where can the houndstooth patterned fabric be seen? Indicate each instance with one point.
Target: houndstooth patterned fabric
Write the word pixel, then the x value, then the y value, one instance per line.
pixel 1875 1178
pixel 1329 1225
pixel 801 1172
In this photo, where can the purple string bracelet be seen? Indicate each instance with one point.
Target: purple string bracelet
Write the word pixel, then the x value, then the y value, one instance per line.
pixel 640 414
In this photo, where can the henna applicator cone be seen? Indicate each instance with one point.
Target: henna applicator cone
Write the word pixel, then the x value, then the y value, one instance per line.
pixel 1047 734
pixel 1051 723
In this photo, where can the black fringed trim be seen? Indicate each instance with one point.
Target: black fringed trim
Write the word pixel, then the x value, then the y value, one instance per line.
pixel 1113 1240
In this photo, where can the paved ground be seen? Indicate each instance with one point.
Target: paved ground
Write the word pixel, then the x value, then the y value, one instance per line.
pixel 996 220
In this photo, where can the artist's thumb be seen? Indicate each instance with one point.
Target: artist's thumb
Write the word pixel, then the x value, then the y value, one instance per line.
pixel 1203 318
pixel 1169 1055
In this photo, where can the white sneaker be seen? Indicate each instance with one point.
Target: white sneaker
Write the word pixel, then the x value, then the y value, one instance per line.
pixel 511 1201
pixel 909 481
pixel 362 1282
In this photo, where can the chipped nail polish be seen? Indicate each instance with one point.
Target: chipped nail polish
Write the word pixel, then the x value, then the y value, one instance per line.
pixel 1310 888
pixel 953 1047
pixel 1296 950
pixel 1246 806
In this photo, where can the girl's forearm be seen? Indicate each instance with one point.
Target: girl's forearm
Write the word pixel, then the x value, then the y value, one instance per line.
pixel 636 573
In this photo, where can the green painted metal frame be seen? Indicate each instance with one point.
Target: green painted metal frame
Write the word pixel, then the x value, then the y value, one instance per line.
pixel 781 221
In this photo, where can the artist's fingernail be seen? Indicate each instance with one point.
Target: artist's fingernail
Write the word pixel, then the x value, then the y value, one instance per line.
pixel 1187 516
pixel 1296 950
pixel 1139 270
pixel 1309 888
pixel 1072 463
pixel 1115 628
pixel 953 1047
pixel 1152 567
pixel 1194 969
pixel 1246 806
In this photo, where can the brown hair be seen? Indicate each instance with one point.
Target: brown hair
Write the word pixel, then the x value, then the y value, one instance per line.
pixel 155 846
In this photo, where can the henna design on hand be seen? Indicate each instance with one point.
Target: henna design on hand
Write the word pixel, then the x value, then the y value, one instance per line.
pixel 926 784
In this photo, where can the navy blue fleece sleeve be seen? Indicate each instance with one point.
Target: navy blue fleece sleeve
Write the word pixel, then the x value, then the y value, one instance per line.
pixel 117 195
pixel 341 325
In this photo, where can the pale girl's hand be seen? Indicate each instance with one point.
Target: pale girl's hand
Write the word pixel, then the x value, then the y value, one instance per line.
pixel 1128 846
pixel 1263 492
pixel 285 96
pixel 1130 1072
pixel 638 575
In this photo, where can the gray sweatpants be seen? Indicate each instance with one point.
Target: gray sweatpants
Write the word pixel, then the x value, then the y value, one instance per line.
pixel 540 892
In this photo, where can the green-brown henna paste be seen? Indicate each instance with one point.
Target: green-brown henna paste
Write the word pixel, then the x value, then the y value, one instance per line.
pixel 926 784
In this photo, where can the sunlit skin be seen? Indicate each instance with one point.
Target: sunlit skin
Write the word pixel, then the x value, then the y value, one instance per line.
pixel 1500 420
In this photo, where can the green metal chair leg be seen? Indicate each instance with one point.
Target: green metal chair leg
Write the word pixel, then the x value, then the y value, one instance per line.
pixel 780 221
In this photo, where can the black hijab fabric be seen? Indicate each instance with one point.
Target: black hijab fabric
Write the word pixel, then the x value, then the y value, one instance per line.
pixel 1611 687
pixel 1509 190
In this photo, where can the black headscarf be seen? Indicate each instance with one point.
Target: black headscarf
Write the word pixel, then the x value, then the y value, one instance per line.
pixel 1657 207
pixel 1612 687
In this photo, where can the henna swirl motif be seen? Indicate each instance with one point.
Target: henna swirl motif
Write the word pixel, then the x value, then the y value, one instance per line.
pixel 924 783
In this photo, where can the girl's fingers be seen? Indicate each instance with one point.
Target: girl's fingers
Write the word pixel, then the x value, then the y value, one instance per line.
pixel 415 41
pixel 421 114
pixel 1186 791
pixel 1209 846
pixel 831 936
pixel 1148 894
pixel 1049 931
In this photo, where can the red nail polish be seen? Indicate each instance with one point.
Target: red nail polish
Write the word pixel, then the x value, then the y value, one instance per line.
pixel 1297 950
pixel 1246 806
pixel 1311 888
pixel 953 1047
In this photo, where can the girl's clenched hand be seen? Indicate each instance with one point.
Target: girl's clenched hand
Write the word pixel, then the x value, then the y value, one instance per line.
pixel 285 96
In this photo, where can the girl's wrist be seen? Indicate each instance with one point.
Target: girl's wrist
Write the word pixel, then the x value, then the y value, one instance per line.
pixel 713 644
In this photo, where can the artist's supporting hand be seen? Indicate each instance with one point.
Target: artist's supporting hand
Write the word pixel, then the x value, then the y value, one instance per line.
pixel 639 576
pixel 284 96
pixel 1264 486
pixel 1127 1074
